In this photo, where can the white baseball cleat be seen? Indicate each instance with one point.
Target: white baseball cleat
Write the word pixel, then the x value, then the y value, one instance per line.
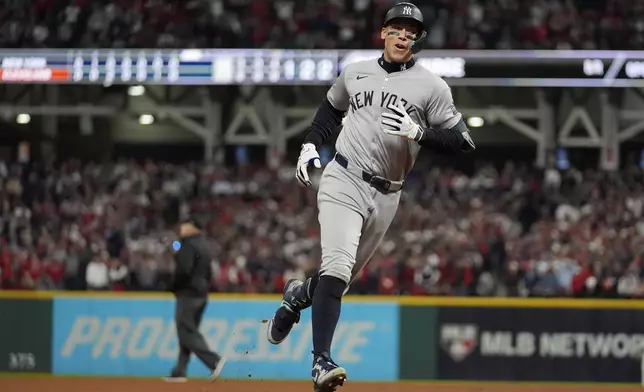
pixel 218 369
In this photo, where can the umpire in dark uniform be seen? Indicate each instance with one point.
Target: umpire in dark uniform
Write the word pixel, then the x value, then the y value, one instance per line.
pixel 191 282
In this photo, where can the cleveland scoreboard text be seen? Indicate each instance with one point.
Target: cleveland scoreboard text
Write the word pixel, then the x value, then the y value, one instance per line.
pixel 316 67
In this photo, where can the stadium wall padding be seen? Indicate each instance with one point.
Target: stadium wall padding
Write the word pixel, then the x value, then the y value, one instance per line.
pixel 378 338
pixel 137 337
pixel 25 335
pixel 534 340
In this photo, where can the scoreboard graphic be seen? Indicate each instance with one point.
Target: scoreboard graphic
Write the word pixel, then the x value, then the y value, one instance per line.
pixel 315 67
pixel 185 67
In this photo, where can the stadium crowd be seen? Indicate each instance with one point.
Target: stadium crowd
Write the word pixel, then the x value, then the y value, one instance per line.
pixel 512 231
pixel 454 24
pixel 516 231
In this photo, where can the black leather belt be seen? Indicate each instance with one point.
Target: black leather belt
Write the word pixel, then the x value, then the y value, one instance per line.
pixel 381 184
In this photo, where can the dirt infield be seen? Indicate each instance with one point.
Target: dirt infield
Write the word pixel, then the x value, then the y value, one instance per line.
pixel 41 384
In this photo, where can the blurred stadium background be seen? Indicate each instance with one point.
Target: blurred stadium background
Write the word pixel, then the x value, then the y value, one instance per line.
pixel 118 118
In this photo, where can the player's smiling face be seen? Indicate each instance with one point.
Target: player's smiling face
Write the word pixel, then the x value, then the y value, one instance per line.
pixel 398 39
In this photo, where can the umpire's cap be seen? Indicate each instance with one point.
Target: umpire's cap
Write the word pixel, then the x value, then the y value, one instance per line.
pixel 405 11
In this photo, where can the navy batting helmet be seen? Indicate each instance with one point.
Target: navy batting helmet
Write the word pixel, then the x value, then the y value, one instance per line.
pixel 408 12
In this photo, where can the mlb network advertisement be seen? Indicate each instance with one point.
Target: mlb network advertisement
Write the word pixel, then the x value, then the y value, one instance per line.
pixel 129 337
pixel 541 344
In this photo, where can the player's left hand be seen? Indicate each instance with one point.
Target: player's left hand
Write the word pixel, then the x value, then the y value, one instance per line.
pixel 400 124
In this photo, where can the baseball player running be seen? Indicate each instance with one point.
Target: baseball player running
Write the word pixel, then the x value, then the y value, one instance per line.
pixel 393 107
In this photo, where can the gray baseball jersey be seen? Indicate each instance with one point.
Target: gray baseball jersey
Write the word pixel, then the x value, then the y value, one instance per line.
pixel 364 90
pixel 353 216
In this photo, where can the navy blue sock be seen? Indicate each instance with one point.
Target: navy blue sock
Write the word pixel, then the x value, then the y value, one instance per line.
pixel 327 303
pixel 304 293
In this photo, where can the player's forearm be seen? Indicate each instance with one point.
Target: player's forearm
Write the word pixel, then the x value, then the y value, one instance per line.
pixel 449 141
pixel 326 120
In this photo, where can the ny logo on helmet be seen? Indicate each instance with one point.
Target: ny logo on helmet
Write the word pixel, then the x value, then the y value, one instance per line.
pixel 407 11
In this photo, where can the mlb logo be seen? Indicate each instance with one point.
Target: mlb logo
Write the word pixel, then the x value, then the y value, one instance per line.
pixel 459 340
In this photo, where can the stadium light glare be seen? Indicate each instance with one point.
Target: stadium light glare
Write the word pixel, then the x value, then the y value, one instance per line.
pixel 475 122
pixel 136 91
pixel 146 119
pixel 23 118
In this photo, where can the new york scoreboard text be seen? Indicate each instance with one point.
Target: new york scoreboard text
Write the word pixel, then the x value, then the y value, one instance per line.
pixel 316 67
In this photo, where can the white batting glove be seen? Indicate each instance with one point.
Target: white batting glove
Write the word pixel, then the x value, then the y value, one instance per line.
pixel 308 156
pixel 400 123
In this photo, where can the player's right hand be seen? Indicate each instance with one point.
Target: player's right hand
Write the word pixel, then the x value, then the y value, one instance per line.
pixel 308 156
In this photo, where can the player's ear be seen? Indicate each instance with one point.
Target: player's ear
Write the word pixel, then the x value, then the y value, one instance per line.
pixel 383 33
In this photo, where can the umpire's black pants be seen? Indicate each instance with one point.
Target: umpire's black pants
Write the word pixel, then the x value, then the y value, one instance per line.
pixel 188 314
